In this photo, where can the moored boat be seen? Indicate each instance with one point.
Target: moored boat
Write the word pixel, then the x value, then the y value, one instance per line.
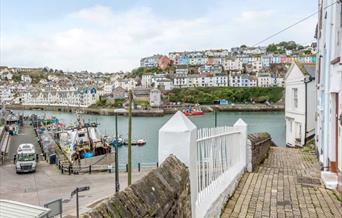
pixel 196 111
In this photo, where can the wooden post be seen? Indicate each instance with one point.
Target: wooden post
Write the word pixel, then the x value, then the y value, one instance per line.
pixel 130 99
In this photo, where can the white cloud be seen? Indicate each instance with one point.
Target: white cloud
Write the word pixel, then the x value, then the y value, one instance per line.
pixel 101 39
pixel 248 16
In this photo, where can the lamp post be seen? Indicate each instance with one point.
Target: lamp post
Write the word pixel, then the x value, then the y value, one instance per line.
pixel 76 191
pixel 130 99
pixel 116 144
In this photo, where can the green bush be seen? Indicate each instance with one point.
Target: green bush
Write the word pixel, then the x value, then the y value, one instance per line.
pixel 232 94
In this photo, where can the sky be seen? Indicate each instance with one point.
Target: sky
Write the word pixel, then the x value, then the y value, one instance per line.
pixel 113 35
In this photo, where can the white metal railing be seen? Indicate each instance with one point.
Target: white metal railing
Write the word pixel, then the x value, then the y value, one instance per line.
pixel 217 150
pixel 215 157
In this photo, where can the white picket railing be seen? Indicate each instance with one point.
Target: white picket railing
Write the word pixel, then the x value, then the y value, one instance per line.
pixel 218 152
pixel 216 158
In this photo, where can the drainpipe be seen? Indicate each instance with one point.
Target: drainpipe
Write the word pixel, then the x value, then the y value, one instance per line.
pixel 306 109
pixel 306 81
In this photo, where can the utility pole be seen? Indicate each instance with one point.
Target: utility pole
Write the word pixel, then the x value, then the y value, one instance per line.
pixel 117 184
pixel 130 99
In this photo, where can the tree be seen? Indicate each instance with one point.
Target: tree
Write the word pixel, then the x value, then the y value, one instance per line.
pixel 271 48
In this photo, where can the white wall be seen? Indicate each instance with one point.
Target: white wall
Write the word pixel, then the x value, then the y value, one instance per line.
pixel 294 79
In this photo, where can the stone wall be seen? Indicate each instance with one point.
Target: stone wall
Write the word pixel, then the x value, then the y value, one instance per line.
pixel 164 192
pixel 259 146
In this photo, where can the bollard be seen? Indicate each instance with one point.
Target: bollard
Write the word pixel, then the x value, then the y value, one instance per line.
pixel 89 169
pixel 139 167
pixel 126 168
pixel 109 167
pixel 69 170
pixel 157 164
pixel 62 169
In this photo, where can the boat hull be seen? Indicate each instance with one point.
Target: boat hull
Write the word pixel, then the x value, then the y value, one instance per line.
pixel 194 113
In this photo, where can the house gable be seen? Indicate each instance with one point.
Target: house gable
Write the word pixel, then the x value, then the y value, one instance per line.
pixel 294 74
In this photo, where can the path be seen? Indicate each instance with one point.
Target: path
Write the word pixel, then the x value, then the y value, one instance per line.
pixel 287 184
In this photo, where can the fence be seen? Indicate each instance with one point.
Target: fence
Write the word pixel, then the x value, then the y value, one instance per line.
pixel 4 144
pixel 67 168
pixel 216 158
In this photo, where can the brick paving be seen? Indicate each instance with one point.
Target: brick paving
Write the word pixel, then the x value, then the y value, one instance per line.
pixel 287 184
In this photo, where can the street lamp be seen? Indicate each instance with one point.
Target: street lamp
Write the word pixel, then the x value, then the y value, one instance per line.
pixel 117 182
pixel 76 191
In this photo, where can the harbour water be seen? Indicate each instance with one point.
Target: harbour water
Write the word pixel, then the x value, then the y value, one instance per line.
pixel 147 128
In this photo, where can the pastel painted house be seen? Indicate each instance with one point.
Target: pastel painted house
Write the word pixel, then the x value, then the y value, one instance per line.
pixel 300 104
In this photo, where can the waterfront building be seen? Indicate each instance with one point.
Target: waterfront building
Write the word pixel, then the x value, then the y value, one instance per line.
pixel 235 79
pixel 155 98
pixel 80 97
pixel 265 79
pixel 329 92
pixel 300 101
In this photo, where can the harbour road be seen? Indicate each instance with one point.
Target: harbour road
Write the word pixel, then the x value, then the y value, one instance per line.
pixel 48 184
pixel 26 135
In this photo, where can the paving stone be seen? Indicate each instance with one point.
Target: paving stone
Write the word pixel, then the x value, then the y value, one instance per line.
pixel 287 184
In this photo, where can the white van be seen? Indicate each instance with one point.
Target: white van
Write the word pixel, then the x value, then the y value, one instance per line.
pixel 26 158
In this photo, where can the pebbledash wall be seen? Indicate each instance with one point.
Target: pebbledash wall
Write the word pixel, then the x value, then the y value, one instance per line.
pixel 200 171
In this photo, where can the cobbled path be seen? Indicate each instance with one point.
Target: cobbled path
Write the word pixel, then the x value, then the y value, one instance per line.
pixel 287 184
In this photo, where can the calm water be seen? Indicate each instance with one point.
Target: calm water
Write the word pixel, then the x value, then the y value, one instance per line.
pixel 147 128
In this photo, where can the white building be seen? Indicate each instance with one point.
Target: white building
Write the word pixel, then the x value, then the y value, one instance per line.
pixel 181 81
pixel 300 101
pixel 146 80
pixel 108 89
pixel 232 64
pixel 6 95
pixel 265 80
pixel 7 75
pixel 182 70
pixel 26 79
pixel 162 81
pixel 235 80
pixel 151 61
pixel 329 92
pixel 155 98
pixel 127 84
pixel 82 97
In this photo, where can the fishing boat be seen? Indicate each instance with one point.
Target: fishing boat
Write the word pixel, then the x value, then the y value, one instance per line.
pixel 82 140
pixel 119 142
pixel 193 111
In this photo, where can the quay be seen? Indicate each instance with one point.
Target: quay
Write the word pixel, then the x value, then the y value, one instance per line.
pixel 156 112
pixel 287 184
pixel 48 183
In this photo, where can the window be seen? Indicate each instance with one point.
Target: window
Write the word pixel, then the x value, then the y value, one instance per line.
pixel 295 97
pixel 290 126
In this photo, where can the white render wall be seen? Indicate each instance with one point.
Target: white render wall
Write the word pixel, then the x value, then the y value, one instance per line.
pixel 295 79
